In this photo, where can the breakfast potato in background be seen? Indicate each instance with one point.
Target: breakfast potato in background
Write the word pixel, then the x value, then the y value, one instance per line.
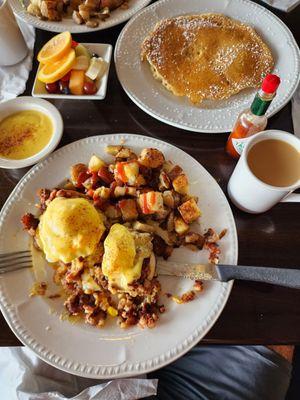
pixel 88 12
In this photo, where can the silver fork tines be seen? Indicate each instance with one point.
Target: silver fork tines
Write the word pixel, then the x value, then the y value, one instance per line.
pixel 14 261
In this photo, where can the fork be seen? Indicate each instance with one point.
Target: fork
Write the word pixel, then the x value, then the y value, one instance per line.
pixel 16 260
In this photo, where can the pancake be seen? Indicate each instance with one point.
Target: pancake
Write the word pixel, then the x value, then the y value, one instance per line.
pixel 206 56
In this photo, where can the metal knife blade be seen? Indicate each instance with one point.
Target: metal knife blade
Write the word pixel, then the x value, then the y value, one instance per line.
pixel 204 272
pixel 288 277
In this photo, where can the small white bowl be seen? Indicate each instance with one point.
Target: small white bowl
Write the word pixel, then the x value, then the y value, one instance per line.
pixel 29 103
pixel 104 51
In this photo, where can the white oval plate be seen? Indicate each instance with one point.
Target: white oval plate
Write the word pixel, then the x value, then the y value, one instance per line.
pixel 117 17
pixel 210 116
pixel 112 352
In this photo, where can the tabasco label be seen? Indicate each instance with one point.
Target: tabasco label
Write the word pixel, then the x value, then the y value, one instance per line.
pixel 239 144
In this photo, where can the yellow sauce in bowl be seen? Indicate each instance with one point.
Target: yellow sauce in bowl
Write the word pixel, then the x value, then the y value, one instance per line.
pixel 24 134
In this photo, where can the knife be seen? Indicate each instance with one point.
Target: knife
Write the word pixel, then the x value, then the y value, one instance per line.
pixel 224 273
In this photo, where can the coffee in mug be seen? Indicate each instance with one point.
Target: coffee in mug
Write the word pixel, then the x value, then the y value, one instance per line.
pixel 267 172
pixel 275 162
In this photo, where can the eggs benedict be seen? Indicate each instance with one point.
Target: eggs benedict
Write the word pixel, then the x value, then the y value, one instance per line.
pixel 124 253
pixel 69 228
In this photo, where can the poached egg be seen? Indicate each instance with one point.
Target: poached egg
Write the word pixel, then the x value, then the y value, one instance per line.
pixel 68 229
pixel 124 253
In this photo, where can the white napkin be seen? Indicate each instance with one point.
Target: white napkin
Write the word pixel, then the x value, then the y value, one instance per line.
pixel 13 78
pixel 23 376
pixel 283 5
pixel 296 112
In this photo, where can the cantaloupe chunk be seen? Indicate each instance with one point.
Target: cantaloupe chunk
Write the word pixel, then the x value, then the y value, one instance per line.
pixel 76 82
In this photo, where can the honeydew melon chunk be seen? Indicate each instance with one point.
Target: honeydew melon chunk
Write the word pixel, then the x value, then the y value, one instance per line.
pixel 81 50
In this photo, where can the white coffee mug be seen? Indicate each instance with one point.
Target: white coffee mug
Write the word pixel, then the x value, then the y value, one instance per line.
pixel 248 192
pixel 13 48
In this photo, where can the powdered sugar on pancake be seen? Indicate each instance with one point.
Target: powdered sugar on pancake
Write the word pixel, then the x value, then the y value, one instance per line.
pixel 207 56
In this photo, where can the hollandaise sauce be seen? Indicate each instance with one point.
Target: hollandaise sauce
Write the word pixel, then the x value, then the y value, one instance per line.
pixel 24 134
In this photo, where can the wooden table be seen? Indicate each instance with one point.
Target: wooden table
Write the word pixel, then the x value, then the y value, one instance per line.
pixel 255 313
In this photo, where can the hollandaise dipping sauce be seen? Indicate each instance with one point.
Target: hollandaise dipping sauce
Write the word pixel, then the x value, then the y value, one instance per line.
pixel 24 134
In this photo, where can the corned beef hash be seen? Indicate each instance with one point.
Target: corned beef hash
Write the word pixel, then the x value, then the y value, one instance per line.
pixel 103 230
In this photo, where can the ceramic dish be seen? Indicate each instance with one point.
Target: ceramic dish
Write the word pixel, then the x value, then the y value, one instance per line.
pixel 117 17
pixel 104 51
pixel 28 103
pixel 210 116
pixel 111 352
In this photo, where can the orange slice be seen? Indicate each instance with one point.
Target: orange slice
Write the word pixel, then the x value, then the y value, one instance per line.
pixel 50 73
pixel 56 48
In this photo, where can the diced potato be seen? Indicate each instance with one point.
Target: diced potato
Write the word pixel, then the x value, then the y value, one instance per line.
pixel 127 172
pixel 76 82
pixel 35 10
pixel 168 198
pixel 76 170
pixel 128 209
pixel 174 172
pixel 131 170
pixel 125 152
pixel 189 211
pixel 96 163
pixel 151 202
pixel 124 191
pixel 102 192
pixel 113 150
pixel 112 212
pixel 180 226
pixel 195 238
pixel 151 158
pixel 181 184
pixel 120 191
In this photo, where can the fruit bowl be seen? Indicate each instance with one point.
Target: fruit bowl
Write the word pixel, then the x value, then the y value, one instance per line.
pixel 104 51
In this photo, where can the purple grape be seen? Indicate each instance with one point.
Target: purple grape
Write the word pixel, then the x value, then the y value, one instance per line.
pixel 52 87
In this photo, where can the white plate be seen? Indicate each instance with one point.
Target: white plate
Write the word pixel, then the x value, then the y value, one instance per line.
pixel 28 103
pixel 104 51
pixel 210 116
pixel 112 352
pixel 117 17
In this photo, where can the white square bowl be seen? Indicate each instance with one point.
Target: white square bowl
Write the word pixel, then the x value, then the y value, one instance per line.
pixel 104 51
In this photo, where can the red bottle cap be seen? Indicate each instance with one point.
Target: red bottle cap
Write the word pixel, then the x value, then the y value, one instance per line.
pixel 270 83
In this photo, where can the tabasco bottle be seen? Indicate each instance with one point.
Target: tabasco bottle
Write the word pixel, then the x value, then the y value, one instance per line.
pixel 252 120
